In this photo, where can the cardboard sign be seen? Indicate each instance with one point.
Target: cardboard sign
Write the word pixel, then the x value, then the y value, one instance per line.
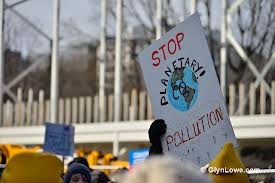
pixel 137 156
pixel 59 139
pixel 184 91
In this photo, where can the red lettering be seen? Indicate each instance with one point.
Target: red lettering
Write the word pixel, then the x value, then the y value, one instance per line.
pixel 198 129
pixel 169 141
pixel 169 47
pixel 188 134
pixel 166 49
pixel 177 133
pixel 219 114
pixel 208 120
pixel 212 118
pixel 163 52
pixel 155 58
pixel 179 38
pixel 201 119
pixel 194 130
pixel 182 137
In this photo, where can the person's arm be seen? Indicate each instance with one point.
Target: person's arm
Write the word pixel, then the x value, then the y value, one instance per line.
pixel 156 131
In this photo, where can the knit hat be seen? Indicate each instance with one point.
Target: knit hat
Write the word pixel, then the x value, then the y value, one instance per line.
pixel 33 167
pixel 76 168
pixel 80 160
pixel 228 158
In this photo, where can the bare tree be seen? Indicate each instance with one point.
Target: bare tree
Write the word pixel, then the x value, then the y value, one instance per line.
pixel 18 36
pixel 139 27
pixel 254 26
pixel 20 43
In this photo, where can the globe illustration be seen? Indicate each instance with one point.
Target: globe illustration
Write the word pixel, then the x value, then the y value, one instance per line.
pixel 182 89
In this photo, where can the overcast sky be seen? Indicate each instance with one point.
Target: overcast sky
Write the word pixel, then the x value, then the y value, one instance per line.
pixel 81 14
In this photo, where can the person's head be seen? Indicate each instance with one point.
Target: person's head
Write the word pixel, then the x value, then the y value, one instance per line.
pixel 33 167
pixel 119 175
pixel 163 169
pixel 77 173
pixel 3 159
pixel 80 160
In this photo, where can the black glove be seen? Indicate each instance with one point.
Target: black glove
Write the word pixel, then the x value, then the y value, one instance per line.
pixel 156 131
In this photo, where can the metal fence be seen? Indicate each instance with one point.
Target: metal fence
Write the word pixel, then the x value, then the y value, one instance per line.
pixel 135 106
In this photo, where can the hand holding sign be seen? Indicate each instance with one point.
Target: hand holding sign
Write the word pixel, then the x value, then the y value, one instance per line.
pixel 185 93
pixel 156 131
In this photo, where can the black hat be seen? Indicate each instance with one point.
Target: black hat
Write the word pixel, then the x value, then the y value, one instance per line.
pixel 77 168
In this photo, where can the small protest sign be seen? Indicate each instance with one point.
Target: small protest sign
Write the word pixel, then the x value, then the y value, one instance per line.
pixel 184 91
pixel 137 156
pixel 59 139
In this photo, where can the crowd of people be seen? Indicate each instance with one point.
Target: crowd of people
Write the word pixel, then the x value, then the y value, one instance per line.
pixel 157 168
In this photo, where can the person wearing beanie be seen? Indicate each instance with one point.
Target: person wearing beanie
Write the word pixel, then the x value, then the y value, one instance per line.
pixel 165 169
pixel 77 173
pixel 96 175
pixel 80 160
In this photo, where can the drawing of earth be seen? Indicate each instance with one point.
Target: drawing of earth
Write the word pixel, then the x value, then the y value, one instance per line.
pixel 182 89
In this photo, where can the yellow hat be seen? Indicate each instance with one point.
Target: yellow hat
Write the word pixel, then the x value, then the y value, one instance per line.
pixel 33 168
pixel 228 158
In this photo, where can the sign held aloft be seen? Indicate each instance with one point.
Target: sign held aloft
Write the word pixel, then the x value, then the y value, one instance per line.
pixel 59 139
pixel 184 90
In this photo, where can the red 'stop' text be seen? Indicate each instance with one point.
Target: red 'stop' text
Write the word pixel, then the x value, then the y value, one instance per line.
pixel 169 48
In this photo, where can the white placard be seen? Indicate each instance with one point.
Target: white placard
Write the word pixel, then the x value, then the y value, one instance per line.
pixel 184 91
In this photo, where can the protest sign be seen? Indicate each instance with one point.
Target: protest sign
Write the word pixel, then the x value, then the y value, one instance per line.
pixel 59 139
pixel 184 91
pixel 137 156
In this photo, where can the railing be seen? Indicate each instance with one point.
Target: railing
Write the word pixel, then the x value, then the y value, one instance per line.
pixel 135 106
pixel 250 100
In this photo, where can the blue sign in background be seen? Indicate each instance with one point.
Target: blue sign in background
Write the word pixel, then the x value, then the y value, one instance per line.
pixel 137 156
pixel 59 139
